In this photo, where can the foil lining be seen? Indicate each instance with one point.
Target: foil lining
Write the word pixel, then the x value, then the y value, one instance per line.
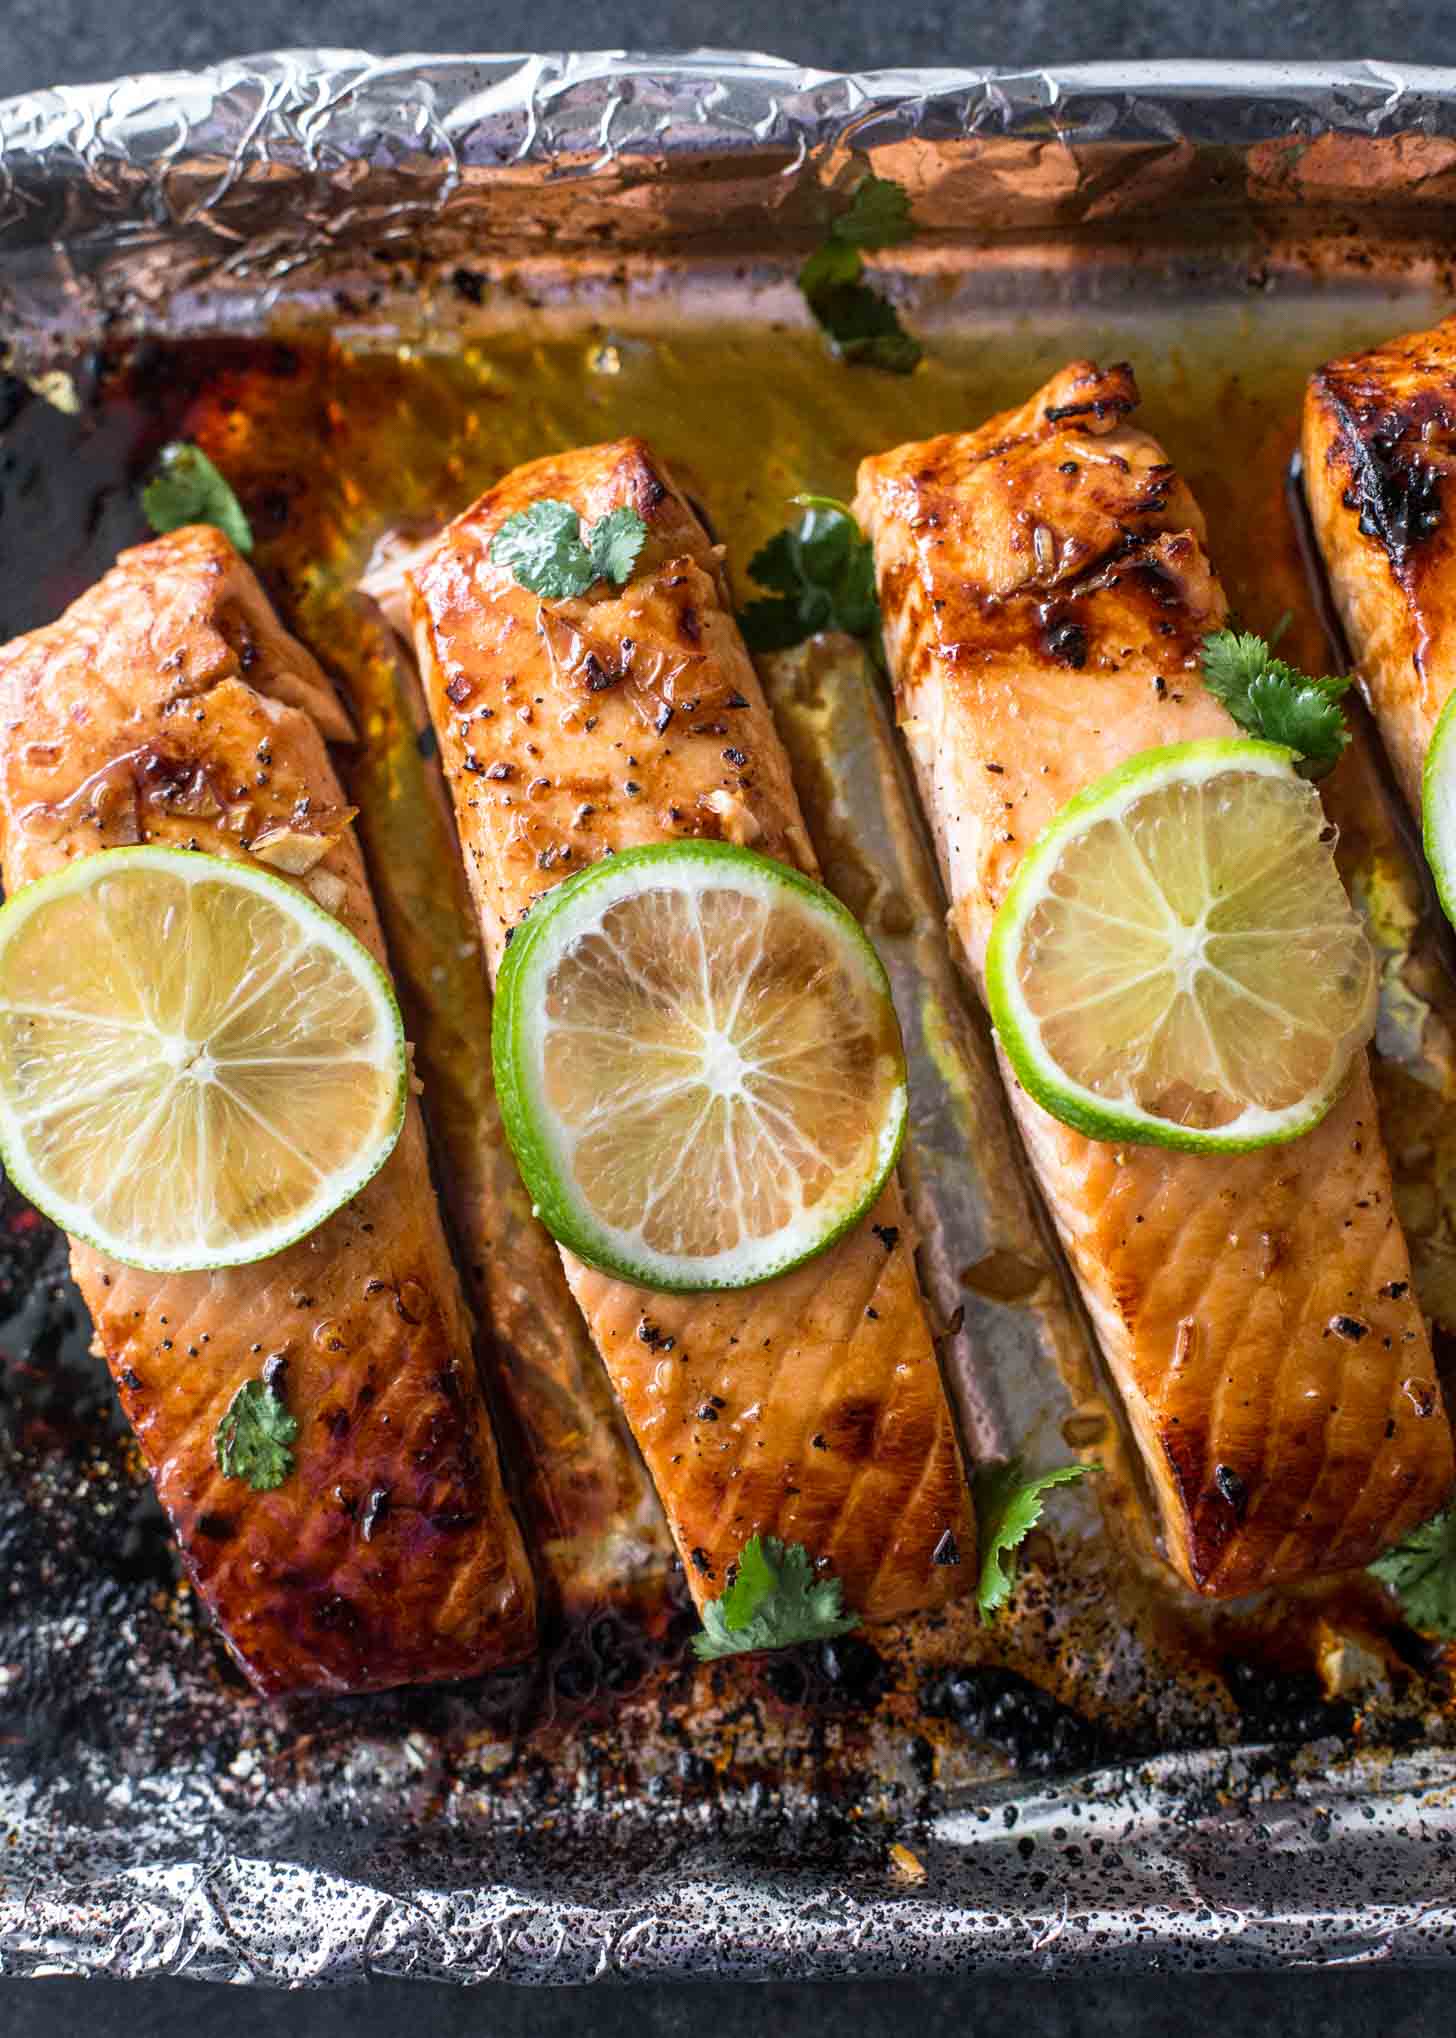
pixel 156 1818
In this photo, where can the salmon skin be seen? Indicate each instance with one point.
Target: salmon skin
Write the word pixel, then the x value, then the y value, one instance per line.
pixel 810 1408
pixel 1045 589
pixel 1379 454
pixel 168 705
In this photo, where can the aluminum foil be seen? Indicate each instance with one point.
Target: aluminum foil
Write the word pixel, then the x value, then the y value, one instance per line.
pixel 156 1817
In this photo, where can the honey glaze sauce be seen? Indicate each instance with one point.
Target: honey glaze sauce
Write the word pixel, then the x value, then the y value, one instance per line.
pixel 329 448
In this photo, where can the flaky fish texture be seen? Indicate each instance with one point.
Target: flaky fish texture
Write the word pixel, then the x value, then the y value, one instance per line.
pixel 168 705
pixel 1379 447
pixel 1045 588
pixel 810 1408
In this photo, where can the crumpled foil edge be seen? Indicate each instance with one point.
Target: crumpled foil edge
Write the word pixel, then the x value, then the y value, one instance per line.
pixel 245 178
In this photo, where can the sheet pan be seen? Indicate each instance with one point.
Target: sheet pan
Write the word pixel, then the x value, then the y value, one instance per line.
pixel 1071 1793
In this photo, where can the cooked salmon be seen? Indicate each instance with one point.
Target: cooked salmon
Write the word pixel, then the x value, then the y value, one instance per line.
pixel 1379 450
pixel 586 1502
pixel 1045 588
pixel 812 1407
pixel 168 705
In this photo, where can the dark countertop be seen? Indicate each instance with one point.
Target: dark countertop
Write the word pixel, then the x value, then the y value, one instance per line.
pixel 68 41
pixel 1331 2005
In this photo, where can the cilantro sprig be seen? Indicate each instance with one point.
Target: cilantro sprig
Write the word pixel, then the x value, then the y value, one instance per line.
pixel 186 488
pixel 822 577
pixel 859 321
pixel 773 1601
pixel 549 552
pixel 252 1440
pixel 1272 699
pixel 1008 1507
pixel 1422 1573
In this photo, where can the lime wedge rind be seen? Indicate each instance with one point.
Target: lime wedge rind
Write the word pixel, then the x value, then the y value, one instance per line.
pixel 138 1146
pixel 1438 808
pixel 1085 1110
pixel 543 1150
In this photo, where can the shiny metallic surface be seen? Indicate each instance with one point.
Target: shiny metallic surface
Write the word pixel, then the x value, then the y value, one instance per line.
pixel 156 1818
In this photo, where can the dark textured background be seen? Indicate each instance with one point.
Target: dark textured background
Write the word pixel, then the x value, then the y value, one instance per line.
pixel 68 41
pixel 44 42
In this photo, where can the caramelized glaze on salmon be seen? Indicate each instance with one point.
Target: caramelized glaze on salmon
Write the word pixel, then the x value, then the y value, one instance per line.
pixel 1379 446
pixel 1045 587
pixel 587 1505
pixel 811 1407
pixel 168 705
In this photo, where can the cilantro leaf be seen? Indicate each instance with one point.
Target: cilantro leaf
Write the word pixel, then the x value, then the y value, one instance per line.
pixel 878 215
pixel 859 322
pixel 864 326
pixel 1422 1572
pixel 836 503
pixel 543 547
pixel 823 578
pixel 1271 699
pixel 837 265
pixel 1008 1506
pixel 774 1600
pixel 187 489
pixel 615 542
pixel 1305 716
pixel 252 1439
pixel 754 1582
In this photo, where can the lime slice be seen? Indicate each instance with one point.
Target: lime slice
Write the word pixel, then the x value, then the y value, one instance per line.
pixel 197 1063
pixel 1438 808
pixel 699 1065
pixel 1177 961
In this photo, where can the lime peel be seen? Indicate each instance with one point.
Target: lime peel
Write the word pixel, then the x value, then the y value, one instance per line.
pixel 1438 807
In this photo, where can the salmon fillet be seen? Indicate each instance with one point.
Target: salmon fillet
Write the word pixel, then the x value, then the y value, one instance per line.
pixel 1379 447
pixel 811 1407
pixel 586 1503
pixel 168 705
pixel 1045 588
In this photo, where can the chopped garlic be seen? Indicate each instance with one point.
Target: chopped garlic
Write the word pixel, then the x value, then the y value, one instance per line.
pixel 58 389
pixel 290 849
pixel 740 824
pixel 905 1866
pixel 329 890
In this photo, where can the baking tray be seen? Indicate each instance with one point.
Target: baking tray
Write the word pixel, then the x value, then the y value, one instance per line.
pixel 1113 1777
